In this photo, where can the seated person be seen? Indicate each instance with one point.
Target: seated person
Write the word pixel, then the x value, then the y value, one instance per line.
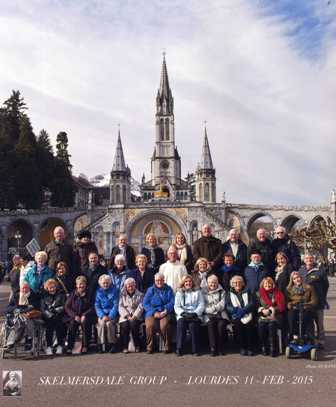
pixel 215 315
pixel 21 311
pixel 131 313
pixel 271 307
pixel 159 307
pixel 79 313
pixel 240 305
pixel 106 306
pixel 189 307
pixel 39 272
pixel 300 298
pixel 52 308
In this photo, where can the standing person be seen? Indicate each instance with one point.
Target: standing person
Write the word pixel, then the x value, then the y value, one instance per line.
pixel 184 251
pixel 83 248
pixel 52 308
pixel 255 272
pixel 283 243
pixel 189 307
pixel 238 248
pixel 215 315
pixel 126 250
pixel 60 250
pixel 264 245
pixel 146 272
pixel 227 271
pixel 317 278
pixel 66 284
pixel 172 270
pixel 282 272
pixel 39 273
pixel 153 252
pixel 119 273
pixel 209 247
pixel 92 273
pixel 14 274
pixel 158 304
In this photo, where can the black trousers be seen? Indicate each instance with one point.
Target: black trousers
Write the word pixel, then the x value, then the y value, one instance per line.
pixel 55 325
pixel 73 329
pixel 307 322
pixel 268 333
pixel 217 333
pixel 194 328
pixel 125 328
pixel 244 334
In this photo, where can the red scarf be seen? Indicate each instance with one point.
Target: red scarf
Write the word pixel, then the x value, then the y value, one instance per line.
pixel 277 297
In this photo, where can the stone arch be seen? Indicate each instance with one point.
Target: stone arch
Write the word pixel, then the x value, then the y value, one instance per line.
pixel 262 217
pixel 19 233
pixel 317 219
pixel 46 228
pixel 234 221
pixel 80 223
pixel 124 194
pixel 289 221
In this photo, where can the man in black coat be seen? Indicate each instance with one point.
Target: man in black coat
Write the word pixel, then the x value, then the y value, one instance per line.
pixel 124 249
pixel 238 248
pixel 83 248
pixel 92 272
pixel 60 250
pixel 283 243
pixel 209 247
pixel 264 245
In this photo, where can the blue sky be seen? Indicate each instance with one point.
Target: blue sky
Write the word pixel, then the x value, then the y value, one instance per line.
pixel 261 72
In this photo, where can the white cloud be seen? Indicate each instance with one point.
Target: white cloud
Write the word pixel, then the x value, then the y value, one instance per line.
pixel 85 66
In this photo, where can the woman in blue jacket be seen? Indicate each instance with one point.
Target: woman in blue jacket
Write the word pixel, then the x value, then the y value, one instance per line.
pixel 159 307
pixel 106 306
pixel 39 273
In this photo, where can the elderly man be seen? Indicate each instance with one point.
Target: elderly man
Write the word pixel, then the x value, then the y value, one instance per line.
pixel 238 248
pixel 209 247
pixel 124 249
pixel 317 278
pixel 264 245
pixel 283 243
pixel 92 271
pixel 83 248
pixel 59 250
pixel 172 270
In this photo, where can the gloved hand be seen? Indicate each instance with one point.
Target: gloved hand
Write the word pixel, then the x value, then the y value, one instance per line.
pixel 240 313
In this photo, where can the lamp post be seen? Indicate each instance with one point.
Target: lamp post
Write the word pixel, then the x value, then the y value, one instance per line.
pixel 18 237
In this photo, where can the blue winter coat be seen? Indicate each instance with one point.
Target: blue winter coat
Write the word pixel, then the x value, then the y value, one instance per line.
pixel 158 299
pixel 118 279
pixel 36 280
pixel 253 276
pixel 107 301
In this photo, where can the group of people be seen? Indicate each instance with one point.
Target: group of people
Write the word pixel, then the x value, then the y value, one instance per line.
pixel 255 289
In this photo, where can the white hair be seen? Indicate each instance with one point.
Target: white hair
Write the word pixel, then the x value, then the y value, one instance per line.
pixel 119 257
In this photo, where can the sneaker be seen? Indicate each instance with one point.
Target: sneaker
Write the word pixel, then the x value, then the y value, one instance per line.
pixel 49 351
pixel 59 350
pixel 125 350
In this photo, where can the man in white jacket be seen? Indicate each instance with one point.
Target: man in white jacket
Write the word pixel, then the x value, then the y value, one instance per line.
pixel 173 270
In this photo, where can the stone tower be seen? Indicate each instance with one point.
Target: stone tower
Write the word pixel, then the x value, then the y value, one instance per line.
pixel 206 175
pixel 166 162
pixel 120 182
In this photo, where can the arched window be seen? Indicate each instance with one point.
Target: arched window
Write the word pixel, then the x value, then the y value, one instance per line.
pixel 206 192
pixel 112 194
pixel 124 193
pixel 118 196
pixel 200 192
pixel 167 129
pixel 161 130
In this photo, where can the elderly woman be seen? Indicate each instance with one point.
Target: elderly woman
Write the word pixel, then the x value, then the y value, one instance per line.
pixel 271 308
pixel 63 278
pixel 52 308
pixel 119 273
pixel 131 312
pixel 184 251
pixel 189 307
pixel 79 313
pixel 300 295
pixel 106 306
pixel 200 273
pixel 159 307
pixel 146 272
pixel 215 315
pixel 240 305
pixel 153 252
pixel 282 272
pixel 39 273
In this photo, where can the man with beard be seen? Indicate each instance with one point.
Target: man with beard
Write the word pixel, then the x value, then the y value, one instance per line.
pixel 283 243
pixel 264 246
pixel 209 247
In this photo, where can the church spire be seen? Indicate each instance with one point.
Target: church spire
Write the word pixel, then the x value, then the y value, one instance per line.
pixel 164 99
pixel 119 160
pixel 206 160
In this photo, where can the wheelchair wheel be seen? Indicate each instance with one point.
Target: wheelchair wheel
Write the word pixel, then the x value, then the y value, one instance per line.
pixel 2 339
pixel 313 354
pixel 288 352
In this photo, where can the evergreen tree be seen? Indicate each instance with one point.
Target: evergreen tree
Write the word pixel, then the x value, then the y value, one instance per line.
pixel 15 108
pixel 62 149
pixel 45 160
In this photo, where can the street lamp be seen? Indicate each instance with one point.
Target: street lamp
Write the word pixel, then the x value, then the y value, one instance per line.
pixel 18 237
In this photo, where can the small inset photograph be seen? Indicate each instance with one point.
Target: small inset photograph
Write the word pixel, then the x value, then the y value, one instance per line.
pixel 11 382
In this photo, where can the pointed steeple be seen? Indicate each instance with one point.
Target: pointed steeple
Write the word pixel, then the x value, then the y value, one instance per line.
pixel 164 98
pixel 206 160
pixel 119 160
